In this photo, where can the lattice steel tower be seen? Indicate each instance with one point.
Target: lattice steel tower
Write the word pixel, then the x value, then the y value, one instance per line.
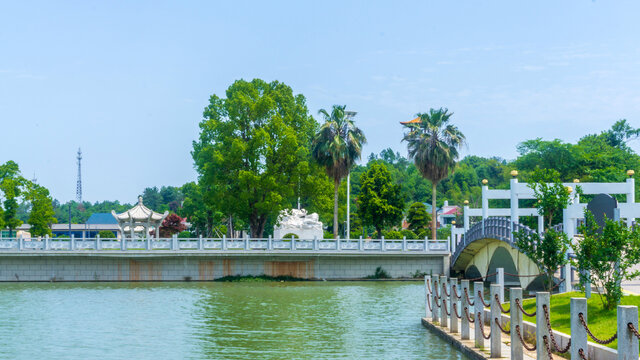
pixel 79 184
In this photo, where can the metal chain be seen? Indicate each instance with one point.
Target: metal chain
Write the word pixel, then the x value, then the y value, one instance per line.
pixel 482 299
pixel 444 287
pixel 581 354
pixel 466 311
pixel 455 292
pixel 506 273
pixel 553 338
pixel 444 305
pixel 438 302
pixel 455 311
pixel 466 293
pixel 508 332
pixel 633 330
pixel 546 345
pixel 483 277
pixel 599 341
pixel 482 328
pixel 500 304
pixel 435 289
pixel 429 303
pixel 524 312
pixel 429 285
pixel 524 344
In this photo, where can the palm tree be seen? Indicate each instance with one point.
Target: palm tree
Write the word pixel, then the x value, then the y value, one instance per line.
pixel 337 146
pixel 433 144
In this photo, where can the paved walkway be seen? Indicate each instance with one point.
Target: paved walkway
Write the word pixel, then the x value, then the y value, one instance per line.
pixel 632 286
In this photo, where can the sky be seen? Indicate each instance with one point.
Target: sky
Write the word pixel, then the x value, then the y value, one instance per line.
pixel 128 81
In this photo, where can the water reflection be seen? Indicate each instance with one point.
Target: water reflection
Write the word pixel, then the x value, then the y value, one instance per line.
pixel 320 320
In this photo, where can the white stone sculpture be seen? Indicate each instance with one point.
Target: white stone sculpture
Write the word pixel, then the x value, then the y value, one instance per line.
pixel 297 221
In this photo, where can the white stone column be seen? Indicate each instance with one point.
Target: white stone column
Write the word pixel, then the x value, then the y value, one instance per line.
pixel 478 312
pixel 631 196
pixel 453 299
pixel 464 329
pixel 514 205
pixel 435 282
pixel 500 281
pixel 496 316
pixel 466 218
pixel 516 320
pixel 578 332
pixel 627 341
pixel 542 299
pixel 445 300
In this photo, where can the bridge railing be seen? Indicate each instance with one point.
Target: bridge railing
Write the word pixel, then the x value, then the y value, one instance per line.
pixel 222 244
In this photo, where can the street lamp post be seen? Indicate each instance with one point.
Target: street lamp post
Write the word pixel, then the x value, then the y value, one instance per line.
pixel 349 115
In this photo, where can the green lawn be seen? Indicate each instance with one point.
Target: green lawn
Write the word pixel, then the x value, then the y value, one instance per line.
pixel 603 324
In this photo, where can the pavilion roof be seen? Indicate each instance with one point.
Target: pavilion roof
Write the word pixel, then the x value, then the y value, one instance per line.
pixel 139 213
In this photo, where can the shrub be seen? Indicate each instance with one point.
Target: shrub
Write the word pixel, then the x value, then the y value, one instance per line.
pixel 106 234
pixel 328 235
pixel 443 233
pixel 423 234
pixel 410 235
pixel 392 234
pixel 184 234
pixel 289 235
pixel 380 273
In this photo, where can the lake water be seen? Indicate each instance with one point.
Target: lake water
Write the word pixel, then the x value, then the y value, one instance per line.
pixel 293 320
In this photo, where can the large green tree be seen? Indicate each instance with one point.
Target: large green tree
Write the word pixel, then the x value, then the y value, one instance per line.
pixel 42 214
pixel 433 144
pixel 380 202
pixel 11 184
pixel 337 146
pixel 253 151
pixel 417 217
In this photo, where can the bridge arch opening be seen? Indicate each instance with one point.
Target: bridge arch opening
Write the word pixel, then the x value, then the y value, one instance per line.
pixel 501 258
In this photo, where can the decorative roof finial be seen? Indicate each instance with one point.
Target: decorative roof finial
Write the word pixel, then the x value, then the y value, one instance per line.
pixel 140 200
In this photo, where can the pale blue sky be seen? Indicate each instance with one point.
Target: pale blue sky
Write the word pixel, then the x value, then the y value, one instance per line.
pixel 127 81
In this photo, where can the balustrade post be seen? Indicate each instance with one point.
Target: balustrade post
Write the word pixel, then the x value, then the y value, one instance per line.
pixel 338 243
pixel 200 243
pixel 464 329
pixel 224 242
pixel 453 299
pixel 404 243
pixel 315 243
pixel 542 331
pixel 72 242
pixel 427 298
pixel 627 341
pixel 246 242
pixel 148 243
pixel 270 243
pixel 382 243
pixel 435 282
pixel 478 312
pixel 426 244
pixel 516 321
pixel 20 243
pixel 174 242
pixel 47 243
pixel 98 242
pixel 123 243
pixel 293 243
pixel 578 332
pixel 360 243
pixel 495 321
pixel 444 299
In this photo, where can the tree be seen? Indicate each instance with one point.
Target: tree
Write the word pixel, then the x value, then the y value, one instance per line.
pixel 172 224
pixel 433 144
pixel 380 203
pixel 106 234
pixel 42 215
pixel 11 183
pixel 253 152
pixel 417 217
pixel 605 257
pixel 548 250
pixel 336 147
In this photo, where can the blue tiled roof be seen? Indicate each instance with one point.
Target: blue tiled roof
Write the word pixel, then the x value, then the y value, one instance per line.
pixel 101 218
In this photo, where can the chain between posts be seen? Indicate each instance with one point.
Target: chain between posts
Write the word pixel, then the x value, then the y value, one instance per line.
pixel 599 341
pixel 524 312
pixel 466 293
pixel 466 311
pixel 546 345
pixel 444 305
pixel 429 303
pixel 483 277
pixel 633 330
pixel 581 354
pixel 480 322
pixel 438 302
pixel 435 289
pixel 482 299
pixel 508 332
pixel 429 285
pixel 455 292
pixel 553 338
pixel 455 310
pixel 500 305
pixel 444 288
pixel 524 344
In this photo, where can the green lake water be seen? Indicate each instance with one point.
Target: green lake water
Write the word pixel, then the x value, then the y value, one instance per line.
pixel 293 320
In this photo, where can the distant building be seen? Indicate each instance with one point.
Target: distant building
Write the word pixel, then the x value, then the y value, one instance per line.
pixel 97 222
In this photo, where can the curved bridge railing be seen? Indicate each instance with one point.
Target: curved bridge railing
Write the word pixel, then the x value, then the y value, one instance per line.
pixel 499 228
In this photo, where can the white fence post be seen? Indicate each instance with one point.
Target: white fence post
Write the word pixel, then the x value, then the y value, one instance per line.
pixel 123 243
pixel 464 331
pixel 360 243
pixel 315 243
pixel 495 321
pixel 382 243
pixel 478 312
pixel 444 299
pixel 578 332
pixel 338 243
pixel 47 243
pixel 435 282
pixel 542 332
pixel 72 242
pixel 293 243
pixel 453 299
pixel 98 242
pixel 404 243
pixel 246 243
pixel 270 243
pixel 627 341
pixel 500 281
pixel 174 241
pixel 200 243
pixel 224 242
pixel 516 321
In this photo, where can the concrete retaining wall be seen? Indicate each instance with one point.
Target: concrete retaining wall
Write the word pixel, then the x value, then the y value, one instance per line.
pixel 202 267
